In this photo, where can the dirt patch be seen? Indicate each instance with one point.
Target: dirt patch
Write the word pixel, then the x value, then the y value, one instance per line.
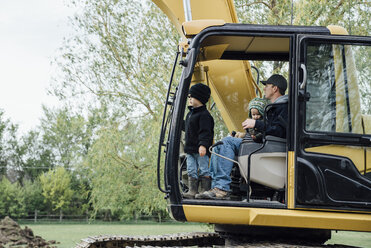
pixel 12 235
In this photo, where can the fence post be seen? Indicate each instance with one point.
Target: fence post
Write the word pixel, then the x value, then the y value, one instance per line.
pixel 60 215
pixel 35 216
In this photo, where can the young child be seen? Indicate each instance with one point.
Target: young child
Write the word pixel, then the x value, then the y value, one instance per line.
pixel 256 112
pixel 199 133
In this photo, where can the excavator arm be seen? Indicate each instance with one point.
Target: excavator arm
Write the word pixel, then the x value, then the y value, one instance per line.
pixel 190 17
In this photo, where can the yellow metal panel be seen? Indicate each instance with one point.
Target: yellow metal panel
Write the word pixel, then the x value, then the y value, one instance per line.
pixel 367 130
pixel 232 87
pixel 337 30
pixel 291 180
pixel 368 160
pixel 354 153
pixel 278 217
pixel 366 119
pixel 192 28
pixel 214 9
pixel 201 9
pixel 269 44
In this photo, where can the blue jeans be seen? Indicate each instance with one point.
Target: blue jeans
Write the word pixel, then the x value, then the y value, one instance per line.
pixel 221 168
pixel 197 163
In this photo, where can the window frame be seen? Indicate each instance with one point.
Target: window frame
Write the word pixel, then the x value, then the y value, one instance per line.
pixel 325 137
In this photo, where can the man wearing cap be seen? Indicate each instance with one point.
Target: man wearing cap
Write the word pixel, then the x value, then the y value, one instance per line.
pixel 277 115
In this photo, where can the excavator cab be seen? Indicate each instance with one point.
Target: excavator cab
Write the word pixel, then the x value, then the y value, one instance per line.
pixel 323 164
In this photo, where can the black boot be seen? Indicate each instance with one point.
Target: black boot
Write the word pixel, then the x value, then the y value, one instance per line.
pixel 192 188
pixel 205 185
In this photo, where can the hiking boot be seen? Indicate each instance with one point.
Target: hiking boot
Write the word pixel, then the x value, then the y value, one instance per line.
pixel 215 194
pixel 205 184
pixel 192 188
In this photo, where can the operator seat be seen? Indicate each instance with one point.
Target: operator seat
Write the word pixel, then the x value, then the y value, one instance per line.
pixel 268 165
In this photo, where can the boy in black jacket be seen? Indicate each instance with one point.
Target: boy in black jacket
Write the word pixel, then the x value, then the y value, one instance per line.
pixel 199 133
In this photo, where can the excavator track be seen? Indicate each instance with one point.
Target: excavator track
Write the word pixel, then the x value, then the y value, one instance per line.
pixel 201 239
pixel 171 240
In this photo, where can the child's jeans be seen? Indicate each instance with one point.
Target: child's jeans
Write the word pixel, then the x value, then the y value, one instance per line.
pixel 195 162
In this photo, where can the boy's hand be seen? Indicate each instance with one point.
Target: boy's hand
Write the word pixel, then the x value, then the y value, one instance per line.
pixel 240 135
pixel 202 151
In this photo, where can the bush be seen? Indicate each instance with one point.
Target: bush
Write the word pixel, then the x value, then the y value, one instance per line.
pixel 12 200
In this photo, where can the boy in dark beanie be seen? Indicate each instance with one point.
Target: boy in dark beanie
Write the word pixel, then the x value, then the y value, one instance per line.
pixel 199 133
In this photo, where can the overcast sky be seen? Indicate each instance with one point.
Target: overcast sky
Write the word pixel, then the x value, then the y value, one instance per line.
pixel 30 33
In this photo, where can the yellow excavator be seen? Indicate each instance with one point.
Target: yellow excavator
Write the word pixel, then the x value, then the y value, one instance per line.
pixel 319 177
pixel 315 180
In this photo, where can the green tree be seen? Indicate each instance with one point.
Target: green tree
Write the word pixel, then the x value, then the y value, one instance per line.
pixel 65 135
pixel 34 199
pixel 122 171
pixel 11 153
pixel 56 189
pixel 3 125
pixel 37 157
pixel 12 202
pixel 352 15
pixel 120 63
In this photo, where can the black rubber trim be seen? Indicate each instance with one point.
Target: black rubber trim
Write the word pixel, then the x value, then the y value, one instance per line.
pixel 318 207
pixel 177 212
pixel 228 203
pixel 255 56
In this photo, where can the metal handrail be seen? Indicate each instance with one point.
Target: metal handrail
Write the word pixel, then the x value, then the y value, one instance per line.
pixel 164 127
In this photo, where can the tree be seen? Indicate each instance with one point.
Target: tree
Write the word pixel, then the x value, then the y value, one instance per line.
pixel 56 189
pixel 120 65
pixel 3 126
pixel 65 135
pixel 37 157
pixel 34 199
pixel 122 170
pixel 12 202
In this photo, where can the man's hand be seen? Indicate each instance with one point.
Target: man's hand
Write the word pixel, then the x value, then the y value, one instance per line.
pixel 248 123
pixel 202 151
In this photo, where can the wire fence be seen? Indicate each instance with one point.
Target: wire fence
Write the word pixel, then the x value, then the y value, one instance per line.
pixel 41 217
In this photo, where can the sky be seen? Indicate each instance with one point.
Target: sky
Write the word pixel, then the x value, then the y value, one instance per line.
pixel 30 34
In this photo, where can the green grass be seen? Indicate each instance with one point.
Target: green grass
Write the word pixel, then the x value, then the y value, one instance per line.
pixel 71 234
pixel 359 239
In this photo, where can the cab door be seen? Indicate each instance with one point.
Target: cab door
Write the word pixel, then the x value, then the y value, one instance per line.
pixel 333 136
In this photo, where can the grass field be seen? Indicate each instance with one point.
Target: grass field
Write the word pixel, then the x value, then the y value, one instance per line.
pixel 71 234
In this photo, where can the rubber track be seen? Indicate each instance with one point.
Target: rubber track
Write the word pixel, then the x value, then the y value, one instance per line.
pixel 185 239
pixel 205 239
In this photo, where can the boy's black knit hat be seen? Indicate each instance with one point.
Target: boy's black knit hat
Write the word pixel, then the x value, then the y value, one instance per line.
pixel 201 92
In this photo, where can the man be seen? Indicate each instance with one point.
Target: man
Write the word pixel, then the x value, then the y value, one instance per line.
pixel 277 115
